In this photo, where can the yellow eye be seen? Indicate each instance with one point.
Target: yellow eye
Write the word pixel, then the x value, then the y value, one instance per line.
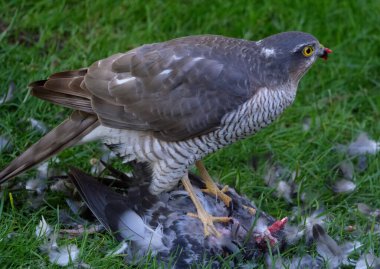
pixel 307 51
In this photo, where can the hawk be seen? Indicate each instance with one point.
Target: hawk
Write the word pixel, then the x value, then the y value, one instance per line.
pixel 170 104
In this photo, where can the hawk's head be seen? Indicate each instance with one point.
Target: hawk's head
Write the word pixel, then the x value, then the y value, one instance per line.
pixel 289 55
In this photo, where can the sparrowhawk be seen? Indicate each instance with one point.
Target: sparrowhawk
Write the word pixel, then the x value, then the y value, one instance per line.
pixel 170 104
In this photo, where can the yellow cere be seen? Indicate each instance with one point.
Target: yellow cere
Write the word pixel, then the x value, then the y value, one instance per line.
pixel 308 51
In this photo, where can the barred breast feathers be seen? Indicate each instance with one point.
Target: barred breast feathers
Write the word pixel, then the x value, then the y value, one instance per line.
pixel 170 160
pixel 250 117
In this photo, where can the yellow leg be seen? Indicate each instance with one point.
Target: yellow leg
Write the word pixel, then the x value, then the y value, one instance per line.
pixel 211 187
pixel 202 215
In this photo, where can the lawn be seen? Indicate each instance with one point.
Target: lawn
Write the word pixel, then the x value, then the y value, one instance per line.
pixel 340 99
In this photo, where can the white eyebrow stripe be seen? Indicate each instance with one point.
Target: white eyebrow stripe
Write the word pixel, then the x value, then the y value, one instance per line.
pixel 268 52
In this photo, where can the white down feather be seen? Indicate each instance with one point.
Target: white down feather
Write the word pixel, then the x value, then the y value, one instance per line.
pixel 132 227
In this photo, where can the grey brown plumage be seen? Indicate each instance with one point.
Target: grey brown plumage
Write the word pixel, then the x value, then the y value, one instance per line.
pixel 174 102
pixel 66 134
pixel 177 89
pixel 64 89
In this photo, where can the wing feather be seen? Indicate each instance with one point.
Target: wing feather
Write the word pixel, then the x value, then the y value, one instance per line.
pixel 177 89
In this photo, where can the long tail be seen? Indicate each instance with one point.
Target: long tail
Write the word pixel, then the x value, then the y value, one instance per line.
pixel 63 136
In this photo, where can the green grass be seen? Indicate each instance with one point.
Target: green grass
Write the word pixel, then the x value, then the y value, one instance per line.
pixel 341 96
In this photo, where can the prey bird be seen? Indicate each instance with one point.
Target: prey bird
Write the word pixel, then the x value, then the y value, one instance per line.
pixel 156 224
pixel 170 104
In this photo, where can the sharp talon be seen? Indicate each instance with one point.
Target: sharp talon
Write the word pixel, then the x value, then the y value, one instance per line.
pixel 192 215
pixel 206 191
pixel 230 209
pixel 225 189
pixel 250 210
pixel 221 219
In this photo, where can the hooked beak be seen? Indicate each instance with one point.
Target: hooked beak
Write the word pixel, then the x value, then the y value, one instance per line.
pixel 325 52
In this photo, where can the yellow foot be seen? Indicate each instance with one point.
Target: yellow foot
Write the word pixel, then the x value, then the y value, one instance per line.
pixel 203 216
pixel 211 187
pixel 208 222
pixel 221 194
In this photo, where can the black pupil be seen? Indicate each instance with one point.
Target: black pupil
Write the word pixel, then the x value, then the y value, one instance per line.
pixel 308 51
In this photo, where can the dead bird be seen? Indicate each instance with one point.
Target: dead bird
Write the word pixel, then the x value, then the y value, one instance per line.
pixel 158 224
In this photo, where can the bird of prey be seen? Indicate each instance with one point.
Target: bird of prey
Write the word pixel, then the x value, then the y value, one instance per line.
pixel 156 224
pixel 170 104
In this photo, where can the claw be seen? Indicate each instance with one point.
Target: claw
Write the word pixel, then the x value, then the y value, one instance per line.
pixel 208 223
pixel 211 187
pixel 207 219
pixel 251 210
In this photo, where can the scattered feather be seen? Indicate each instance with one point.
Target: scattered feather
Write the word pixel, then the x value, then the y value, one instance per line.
pixel 368 211
pixel 45 171
pixel 368 260
pixel 9 95
pixel 347 169
pixel 318 217
pixel 376 229
pixel 304 262
pixel 64 186
pixel 363 145
pixel 293 233
pixel 11 235
pixel 5 144
pixel 39 126
pixel 335 255
pixel 362 163
pixel 36 184
pixel 62 256
pixel 75 206
pixel 35 200
pixel 306 123
pixel 43 229
pixel 121 249
pixel 344 186
pixel 281 179
pixel 285 190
